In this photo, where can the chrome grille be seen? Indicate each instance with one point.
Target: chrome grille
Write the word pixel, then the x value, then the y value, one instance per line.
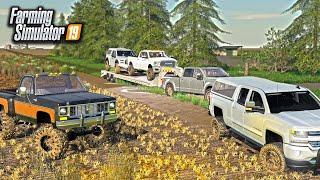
pixel 167 64
pixel 91 109
pixel 315 144
pixel 314 133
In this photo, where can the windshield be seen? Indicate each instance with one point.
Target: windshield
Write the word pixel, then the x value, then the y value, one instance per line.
pixel 46 85
pixel 292 101
pixel 126 53
pixel 214 72
pixel 157 54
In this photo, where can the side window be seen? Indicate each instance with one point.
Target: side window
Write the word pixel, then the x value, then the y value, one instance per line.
pixel 197 71
pixel 224 89
pixel 27 82
pixel 114 54
pixel 188 73
pixel 256 97
pixel 243 96
pixel 144 55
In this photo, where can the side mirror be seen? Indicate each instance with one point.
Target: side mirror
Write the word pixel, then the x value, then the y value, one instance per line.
pixel 250 106
pixel 199 76
pixel 22 91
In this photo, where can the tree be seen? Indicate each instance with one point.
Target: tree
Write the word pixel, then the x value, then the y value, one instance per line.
pixel 145 24
pixel 304 30
pixel 62 20
pixel 195 32
pixel 99 28
pixel 303 35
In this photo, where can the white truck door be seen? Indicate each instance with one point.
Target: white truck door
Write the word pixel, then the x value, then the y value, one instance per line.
pixel 142 61
pixel 254 120
pixel 186 79
pixel 113 58
pixel 238 109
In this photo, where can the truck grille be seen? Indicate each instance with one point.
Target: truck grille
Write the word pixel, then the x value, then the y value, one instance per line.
pixel 87 110
pixel 314 133
pixel 315 144
pixel 167 64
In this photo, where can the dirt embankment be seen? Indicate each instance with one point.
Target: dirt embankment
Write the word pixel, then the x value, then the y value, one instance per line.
pixel 29 52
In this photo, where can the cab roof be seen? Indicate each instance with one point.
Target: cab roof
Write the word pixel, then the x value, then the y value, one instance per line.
pixel 120 49
pixel 265 85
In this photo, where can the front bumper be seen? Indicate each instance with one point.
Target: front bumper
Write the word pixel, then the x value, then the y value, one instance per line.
pixel 87 121
pixel 300 157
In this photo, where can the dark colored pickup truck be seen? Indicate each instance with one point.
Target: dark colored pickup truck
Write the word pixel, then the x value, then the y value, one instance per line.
pixel 56 104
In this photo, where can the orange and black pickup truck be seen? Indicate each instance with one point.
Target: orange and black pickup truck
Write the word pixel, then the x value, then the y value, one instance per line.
pixel 60 100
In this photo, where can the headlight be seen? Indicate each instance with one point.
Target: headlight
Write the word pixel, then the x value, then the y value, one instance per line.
pixel 112 105
pixel 63 111
pixel 299 134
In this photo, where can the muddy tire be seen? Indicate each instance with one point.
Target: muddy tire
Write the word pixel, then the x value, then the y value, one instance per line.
pixel 7 126
pixel 117 69
pixel 207 94
pixel 131 70
pixel 99 135
pixel 107 65
pixel 50 142
pixel 272 157
pixel 219 129
pixel 169 90
pixel 150 74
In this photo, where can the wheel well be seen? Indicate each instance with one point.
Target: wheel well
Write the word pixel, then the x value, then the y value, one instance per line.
pixel 149 66
pixel 107 60
pixel 1 107
pixel 218 112
pixel 117 62
pixel 130 63
pixel 209 87
pixel 43 117
pixel 272 137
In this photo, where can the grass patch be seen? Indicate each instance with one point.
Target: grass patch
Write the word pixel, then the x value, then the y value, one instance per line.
pixel 287 77
pixel 316 92
pixel 89 66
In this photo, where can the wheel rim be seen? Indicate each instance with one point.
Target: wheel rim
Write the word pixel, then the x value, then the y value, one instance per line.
pixel 273 160
pixel 45 143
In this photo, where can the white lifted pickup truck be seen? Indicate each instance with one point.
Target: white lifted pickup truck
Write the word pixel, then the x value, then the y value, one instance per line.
pixel 150 61
pixel 281 118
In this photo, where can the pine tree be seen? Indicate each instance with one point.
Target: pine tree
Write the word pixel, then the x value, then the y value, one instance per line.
pixel 195 33
pixel 305 29
pixel 303 35
pixel 146 24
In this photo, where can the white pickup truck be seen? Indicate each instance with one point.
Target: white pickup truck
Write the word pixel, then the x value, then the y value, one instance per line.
pixel 118 58
pixel 281 118
pixel 150 61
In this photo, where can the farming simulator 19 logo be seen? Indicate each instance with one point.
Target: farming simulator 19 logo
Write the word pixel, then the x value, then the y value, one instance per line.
pixel 37 26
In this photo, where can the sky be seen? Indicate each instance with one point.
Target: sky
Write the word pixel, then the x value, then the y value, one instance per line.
pixel 247 21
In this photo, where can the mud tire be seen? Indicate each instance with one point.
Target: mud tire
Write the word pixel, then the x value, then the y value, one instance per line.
pixel 272 157
pixel 107 65
pixel 117 69
pixel 131 70
pixel 50 142
pixel 7 126
pixel 219 129
pixel 169 90
pixel 150 74
pixel 98 136
pixel 207 94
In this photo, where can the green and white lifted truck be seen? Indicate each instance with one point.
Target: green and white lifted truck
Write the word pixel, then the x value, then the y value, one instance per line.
pixel 56 105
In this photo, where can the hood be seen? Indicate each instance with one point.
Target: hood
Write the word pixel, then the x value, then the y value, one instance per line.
pixel 74 98
pixel 159 59
pixel 310 118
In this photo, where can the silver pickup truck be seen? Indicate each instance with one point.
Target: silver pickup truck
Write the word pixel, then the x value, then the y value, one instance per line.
pixel 283 119
pixel 194 80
